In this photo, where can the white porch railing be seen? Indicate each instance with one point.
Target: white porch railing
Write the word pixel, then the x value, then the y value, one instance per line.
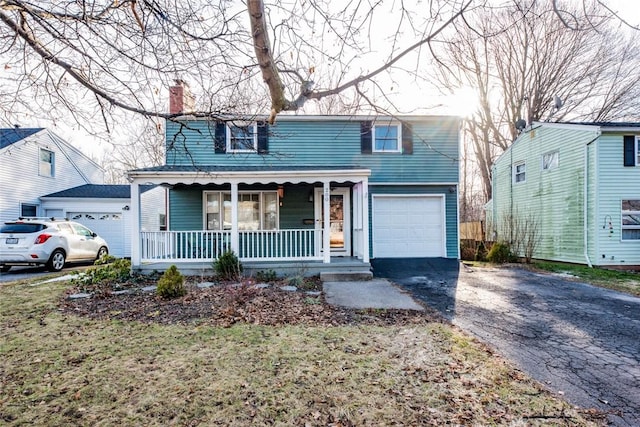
pixel 198 246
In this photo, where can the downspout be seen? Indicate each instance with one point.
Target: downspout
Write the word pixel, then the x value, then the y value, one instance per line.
pixel 585 200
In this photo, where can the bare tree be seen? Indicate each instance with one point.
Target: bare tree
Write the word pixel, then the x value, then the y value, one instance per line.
pixel 526 63
pixel 141 144
pixel 105 55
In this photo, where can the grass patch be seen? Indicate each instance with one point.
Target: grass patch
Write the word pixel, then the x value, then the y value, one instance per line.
pixel 624 281
pixel 60 369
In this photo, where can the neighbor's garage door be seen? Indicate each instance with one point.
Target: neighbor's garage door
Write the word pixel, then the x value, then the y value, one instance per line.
pixel 408 226
pixel 109 226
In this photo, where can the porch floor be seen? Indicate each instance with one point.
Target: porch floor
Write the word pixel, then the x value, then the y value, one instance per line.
pixel 338 265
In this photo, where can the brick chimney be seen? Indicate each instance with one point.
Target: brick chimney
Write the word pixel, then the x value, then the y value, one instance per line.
pixel 180 98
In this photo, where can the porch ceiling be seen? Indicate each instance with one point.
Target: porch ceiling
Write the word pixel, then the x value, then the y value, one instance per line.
pixel 172 175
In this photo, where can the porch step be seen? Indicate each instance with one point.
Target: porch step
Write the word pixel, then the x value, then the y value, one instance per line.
pixel 345 276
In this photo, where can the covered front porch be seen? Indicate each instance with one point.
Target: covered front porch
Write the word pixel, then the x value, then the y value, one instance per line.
pixel 214 210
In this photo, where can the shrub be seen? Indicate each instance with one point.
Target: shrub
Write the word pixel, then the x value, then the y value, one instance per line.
pixel 266 276
pixel 228 266
pixel 106 259
pixel 500 253
pixel 171 284
pixel 481 252
pixel 118 270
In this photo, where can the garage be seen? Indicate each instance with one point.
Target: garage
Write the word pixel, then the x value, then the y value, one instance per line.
pixel 408 226
pixel 108 225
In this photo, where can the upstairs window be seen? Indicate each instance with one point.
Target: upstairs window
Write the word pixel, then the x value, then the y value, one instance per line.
pixel 46 166
pixel 519 173
pixel 550 160
pixel 242 138
pixel 387 138
pixel 631 151
pixel 631 220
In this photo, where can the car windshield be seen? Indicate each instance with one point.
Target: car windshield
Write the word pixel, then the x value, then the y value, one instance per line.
pixel 22 228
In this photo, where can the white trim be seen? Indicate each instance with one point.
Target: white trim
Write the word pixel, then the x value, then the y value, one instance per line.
pixel 382 124
pixel 249 177
pixel 345 192
pixel 514 173
pixel 254 135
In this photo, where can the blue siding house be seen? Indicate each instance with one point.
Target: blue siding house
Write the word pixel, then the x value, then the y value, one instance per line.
pixel 311 191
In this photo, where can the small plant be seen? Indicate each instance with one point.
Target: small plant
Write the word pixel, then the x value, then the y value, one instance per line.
pixel 481 252
pixel 105 259
pixel 500 253
pixel 228 266
pixel 117 271
pixel 171 284
pixel 266 276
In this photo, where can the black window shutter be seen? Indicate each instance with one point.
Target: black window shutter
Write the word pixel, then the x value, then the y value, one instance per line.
pixel 366 139
pixel 263 138
pixel 629 150
pixel 220 143
pixel 407 138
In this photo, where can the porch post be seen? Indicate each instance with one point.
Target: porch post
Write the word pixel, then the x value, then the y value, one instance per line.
pixel 365 220
pixel 135 224
pixel 235 241
pixel 326 228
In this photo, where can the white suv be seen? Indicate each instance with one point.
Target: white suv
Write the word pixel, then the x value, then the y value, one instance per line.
pixel 48 241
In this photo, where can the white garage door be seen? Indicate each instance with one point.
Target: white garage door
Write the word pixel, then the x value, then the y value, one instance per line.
pixel 109 226
pixel 408 226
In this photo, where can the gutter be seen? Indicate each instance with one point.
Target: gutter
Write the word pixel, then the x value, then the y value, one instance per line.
pixel 585 203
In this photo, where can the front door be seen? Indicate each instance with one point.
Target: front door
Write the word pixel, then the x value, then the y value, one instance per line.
pixel 339 219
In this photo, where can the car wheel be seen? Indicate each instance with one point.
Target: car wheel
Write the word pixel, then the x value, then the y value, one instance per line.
pixel 5 268
pixel 102 252
pixel 56 262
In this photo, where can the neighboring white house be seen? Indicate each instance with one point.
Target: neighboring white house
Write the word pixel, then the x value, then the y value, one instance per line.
pixel 105 209
pixel 34 162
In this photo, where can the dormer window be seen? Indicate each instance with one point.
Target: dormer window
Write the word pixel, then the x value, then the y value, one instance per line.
pixel 242 138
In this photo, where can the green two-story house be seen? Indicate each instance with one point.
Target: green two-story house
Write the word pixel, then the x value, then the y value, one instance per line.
pixel 312 191
pixel 576 186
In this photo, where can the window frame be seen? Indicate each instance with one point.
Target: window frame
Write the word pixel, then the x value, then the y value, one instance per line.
pixel 225 196
pixel 28 205
pixel 515 173
pixel 555 161
pixel 230 137
pixel 398 138
pixel 628 227
pixel 50 164
pixel 636 150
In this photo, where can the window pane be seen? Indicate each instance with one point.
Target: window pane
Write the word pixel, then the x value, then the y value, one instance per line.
pixel 270 211
pixel 28 210
pixel 631 219
pixel 630 234
pixel 242 138
pixel 386 138
pixel 213 211
pixel 248 212
pixel 631 205
pixel 46 163
pixel 226 218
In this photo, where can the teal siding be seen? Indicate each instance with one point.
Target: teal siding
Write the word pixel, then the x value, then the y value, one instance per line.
pixel 615 183
pixel 296 207
pixel 185 209
pixel 328 143
pixel 451 210
pixel 551 199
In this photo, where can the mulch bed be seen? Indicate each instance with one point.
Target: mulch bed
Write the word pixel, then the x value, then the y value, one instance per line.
pixel 225 304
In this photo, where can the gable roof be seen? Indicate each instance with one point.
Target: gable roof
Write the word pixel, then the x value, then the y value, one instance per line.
pixel 10 136
pixel 99 191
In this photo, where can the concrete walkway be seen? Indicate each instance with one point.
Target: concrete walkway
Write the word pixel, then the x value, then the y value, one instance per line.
pixel 376 293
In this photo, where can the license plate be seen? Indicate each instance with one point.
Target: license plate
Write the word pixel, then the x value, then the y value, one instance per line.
pixel 11 241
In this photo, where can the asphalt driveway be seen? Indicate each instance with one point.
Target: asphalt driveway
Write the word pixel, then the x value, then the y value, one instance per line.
pixel 581 341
